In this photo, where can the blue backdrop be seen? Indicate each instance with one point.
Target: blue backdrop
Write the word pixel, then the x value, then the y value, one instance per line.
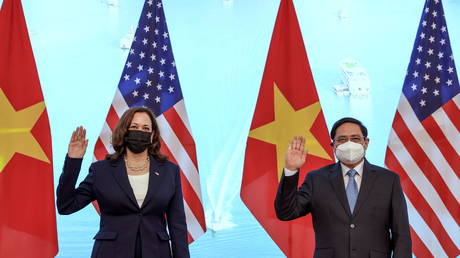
pixel 220 47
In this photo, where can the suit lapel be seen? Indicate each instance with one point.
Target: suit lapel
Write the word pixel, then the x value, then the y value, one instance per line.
pixel 336 179
pixel 121 176
pixel 154 180
pixel 366 186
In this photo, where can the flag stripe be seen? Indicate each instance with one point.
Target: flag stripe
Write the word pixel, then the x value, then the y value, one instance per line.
pixel 179 153
pixel 448 128
pixel 189 194
pixel 424 144
pixel 119 103
pixel 193 225
pixel 194 201
pixel 456 100
pixel 428 201
pixel 414 196
pixel 445 137
pixel 429 171
pixel 421 228
pixel 418 247
pixel 180 130
pixel 112 118
pixel 105 137
pixel 150 79
pixel 428 145
pixel 451 109
pixel 99 150
pixel 180 108
pixel 189 237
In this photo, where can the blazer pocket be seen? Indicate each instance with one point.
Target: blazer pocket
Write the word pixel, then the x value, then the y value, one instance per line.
pixel 379 254
pixel 324 253
pixel 106 235
pixel 163 236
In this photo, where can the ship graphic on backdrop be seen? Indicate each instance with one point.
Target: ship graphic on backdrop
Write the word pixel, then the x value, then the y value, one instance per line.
pixel 112 4
pixel 354 79
pixel 127 40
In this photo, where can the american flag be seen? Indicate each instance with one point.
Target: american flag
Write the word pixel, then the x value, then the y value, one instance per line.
pixel 150 79
pixel 424 143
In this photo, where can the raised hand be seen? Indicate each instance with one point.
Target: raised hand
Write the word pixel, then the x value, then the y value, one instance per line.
pixel 296 153
pixel 78 143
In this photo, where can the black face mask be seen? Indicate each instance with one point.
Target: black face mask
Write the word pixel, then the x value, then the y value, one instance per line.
pixel 137 141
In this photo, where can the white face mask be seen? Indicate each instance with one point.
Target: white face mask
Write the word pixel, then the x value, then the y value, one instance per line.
pixel 349 152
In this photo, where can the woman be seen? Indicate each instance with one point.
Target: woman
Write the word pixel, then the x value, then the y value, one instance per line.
pixel 137 189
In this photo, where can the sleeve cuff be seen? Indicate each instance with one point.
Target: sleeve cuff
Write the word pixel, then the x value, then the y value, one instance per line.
pixel 288 172
pixel 72 162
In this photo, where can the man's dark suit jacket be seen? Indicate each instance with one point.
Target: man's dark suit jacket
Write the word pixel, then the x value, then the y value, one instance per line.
pixel 378 226
pixel 121 216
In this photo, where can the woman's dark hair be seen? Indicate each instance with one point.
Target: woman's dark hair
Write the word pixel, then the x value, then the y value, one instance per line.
pixel 348 120
pixel 118 135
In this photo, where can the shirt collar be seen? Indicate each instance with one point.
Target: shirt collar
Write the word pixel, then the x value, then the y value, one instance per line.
pixel 358 168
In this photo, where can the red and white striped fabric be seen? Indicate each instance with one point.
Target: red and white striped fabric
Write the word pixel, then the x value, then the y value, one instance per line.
pixel 424 143
pixel 426 156
pixel 150 79
pixel 178 144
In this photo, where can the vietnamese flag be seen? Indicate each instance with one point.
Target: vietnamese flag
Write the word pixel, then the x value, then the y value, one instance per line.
pixel 287 105
pixel 27 213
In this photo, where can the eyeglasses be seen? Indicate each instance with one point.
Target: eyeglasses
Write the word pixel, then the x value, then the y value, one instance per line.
pixel 353 138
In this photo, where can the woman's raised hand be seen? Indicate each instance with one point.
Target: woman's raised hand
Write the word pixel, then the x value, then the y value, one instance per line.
pixel 78 143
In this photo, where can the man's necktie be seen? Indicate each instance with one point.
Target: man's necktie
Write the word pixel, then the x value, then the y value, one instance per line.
pixel 352 189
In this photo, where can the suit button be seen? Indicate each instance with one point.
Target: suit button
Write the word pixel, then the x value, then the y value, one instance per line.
pixel 352 225
pixel 140 214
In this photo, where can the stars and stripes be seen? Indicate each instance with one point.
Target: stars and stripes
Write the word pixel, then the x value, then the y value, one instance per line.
pixel 424 143
pixel 150 79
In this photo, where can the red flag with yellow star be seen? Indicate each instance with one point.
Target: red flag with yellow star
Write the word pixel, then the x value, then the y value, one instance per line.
pixel 27 213
pixel 287 105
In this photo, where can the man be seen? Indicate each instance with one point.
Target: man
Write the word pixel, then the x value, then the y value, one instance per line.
pixel 358 209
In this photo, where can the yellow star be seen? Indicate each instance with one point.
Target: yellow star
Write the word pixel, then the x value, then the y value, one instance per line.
pixel 15 131
pixel 287 124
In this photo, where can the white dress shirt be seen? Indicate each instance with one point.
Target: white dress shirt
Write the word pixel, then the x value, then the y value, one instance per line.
pixel 139 184
pixel 358 176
